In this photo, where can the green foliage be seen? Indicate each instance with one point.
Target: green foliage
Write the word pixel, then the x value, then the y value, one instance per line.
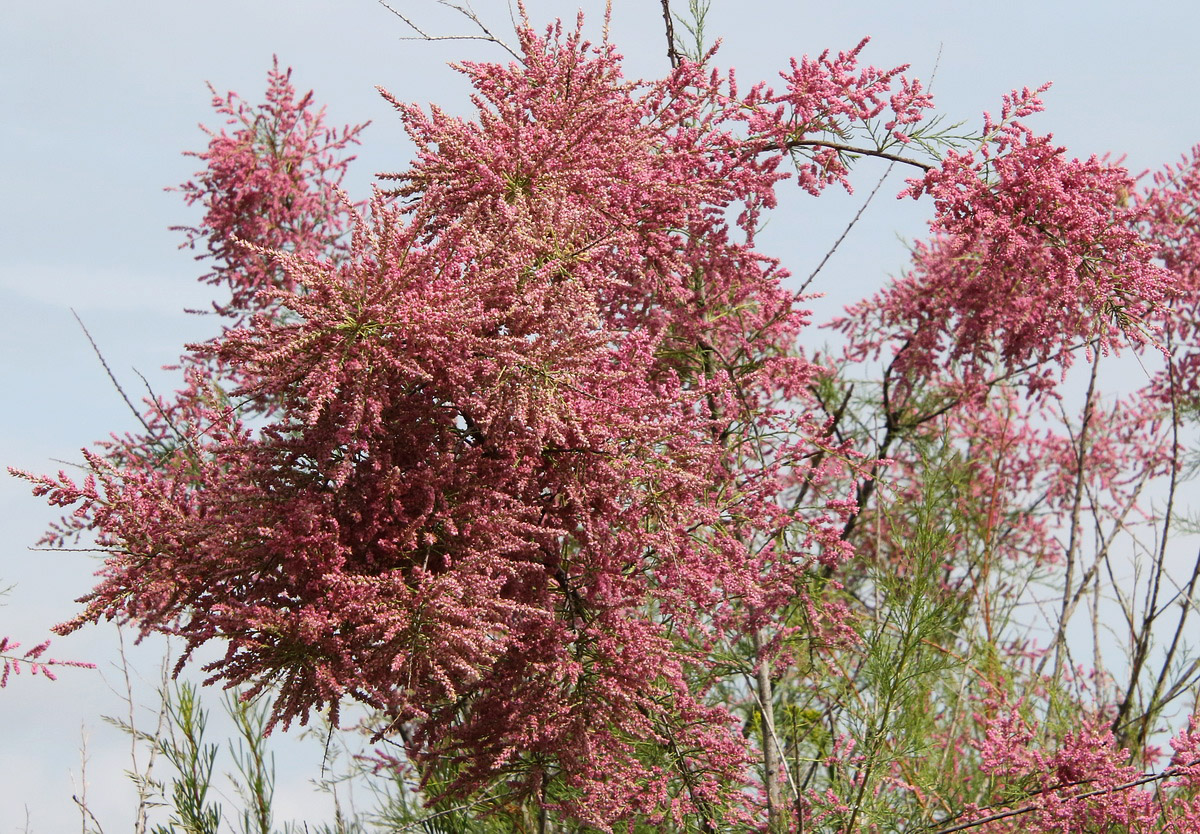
pixel 193 760
pixel 693 23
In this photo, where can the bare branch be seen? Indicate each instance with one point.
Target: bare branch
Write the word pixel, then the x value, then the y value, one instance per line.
pixel 854 149
pixel 672 51
pixel 849 226
pixel 112 377
pixel 467 12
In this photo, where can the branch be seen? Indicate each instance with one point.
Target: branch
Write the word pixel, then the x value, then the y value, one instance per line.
pixel 1169 773
pixel 843 148
pixel 112 377
pixel 423 822
pixel 466 12
pixel 672 52
pixel 845 231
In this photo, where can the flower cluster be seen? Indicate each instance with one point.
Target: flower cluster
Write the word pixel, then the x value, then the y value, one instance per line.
pixel 1084 785
pixel 826 104
pixel 1171 226
pixel 1032 256
pixel 271 184
pixel 525 447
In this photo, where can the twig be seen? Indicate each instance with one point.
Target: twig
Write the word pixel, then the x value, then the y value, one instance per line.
pixel 672 52
pixel 108 371
pixel 844 148
pixel 423 822
pixel 80 799
pixel 849 225
pixel 1067 607
pixel 466 12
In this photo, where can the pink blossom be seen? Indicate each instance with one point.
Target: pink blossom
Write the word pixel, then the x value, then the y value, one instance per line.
pixel 31 660
pixel 1032 256
pixel 273 182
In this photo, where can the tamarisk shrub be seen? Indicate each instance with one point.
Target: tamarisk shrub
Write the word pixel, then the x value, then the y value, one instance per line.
pixel 524 455
pixel 1004 486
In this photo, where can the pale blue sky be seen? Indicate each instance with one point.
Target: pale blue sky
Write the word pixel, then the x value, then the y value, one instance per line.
pixel 100 98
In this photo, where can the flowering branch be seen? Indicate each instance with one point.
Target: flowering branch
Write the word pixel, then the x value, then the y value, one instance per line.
pixel 1169 773
pixel 31 660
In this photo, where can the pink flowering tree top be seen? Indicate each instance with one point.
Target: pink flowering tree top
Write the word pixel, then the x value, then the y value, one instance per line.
pixel 526 447
pixel 523 453
pixel 1032 256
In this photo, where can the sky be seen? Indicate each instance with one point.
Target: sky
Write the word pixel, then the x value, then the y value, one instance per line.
pixel 100 99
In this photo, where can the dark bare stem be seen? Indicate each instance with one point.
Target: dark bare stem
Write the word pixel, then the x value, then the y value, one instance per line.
pixel 1152 606
pixel 1185 609
pixel 112 377
pixel 1076 504
pixel 841 147
pixel 466 12
pixel 543 814
pixel 672 52
pixel 423 823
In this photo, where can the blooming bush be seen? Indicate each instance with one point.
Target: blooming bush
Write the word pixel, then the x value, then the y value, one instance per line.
pixel 531 455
